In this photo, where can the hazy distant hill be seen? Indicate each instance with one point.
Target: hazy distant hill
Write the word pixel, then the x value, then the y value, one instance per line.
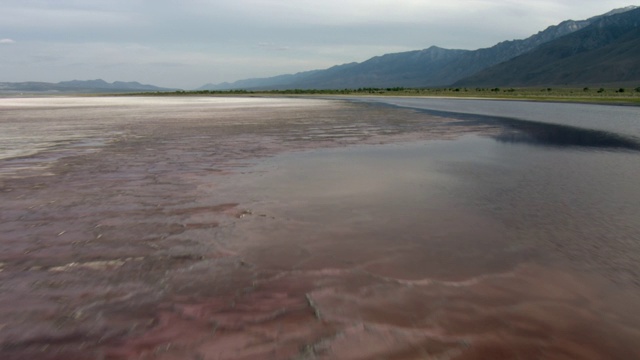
pixel 422 68
pixel 79 86
pixel 607 51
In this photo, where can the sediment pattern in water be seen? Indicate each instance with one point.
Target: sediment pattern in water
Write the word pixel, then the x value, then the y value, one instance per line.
pixel 150 245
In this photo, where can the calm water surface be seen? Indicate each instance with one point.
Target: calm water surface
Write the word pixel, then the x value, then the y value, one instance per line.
pixel 527 247
pixel 561 174
pixel 578 204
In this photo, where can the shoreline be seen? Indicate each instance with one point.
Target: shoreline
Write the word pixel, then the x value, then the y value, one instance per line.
pixel 626 100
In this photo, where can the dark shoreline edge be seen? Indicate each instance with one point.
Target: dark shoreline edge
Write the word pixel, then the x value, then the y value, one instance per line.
pixel 561 97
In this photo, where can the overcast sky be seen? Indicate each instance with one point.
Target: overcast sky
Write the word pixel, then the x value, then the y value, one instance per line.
pixel 187 43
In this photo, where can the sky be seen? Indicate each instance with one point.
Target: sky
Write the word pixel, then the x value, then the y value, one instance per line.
pixel 188 43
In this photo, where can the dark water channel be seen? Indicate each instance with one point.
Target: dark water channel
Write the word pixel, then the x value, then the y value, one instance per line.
pixel 622 120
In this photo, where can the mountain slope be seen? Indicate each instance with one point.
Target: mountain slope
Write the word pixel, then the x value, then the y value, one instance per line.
pixel 607 51
pixel 422 68
pixel 410 69
pixel 253 83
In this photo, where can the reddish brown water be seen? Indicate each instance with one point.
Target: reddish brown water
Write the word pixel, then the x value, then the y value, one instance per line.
pixel 284 229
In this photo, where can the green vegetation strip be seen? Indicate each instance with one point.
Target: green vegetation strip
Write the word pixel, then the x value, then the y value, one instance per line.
pixel 629 96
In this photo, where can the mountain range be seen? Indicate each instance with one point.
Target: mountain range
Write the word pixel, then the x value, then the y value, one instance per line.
pixel 78 86
pixel 600 50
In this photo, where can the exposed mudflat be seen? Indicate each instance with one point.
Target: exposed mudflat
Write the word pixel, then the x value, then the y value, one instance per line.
pixel 206 229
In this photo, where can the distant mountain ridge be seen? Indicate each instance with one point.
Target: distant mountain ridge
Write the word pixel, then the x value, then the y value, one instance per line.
pixel 91 86
pixel 606 51
pixel 431 67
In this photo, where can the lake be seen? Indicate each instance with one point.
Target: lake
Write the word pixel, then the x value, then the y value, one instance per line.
pixel 230 228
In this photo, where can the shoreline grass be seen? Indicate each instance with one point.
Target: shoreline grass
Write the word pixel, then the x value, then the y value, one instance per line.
pixel 620 96
pixel 596 95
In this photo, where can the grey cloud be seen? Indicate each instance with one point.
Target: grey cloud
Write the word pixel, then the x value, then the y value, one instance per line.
pixel 273 46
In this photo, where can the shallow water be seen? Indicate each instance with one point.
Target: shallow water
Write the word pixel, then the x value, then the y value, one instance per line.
pixel 580 204
pixel 272 229
pixel 34 132
pixel 503 249
pixel 32 125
